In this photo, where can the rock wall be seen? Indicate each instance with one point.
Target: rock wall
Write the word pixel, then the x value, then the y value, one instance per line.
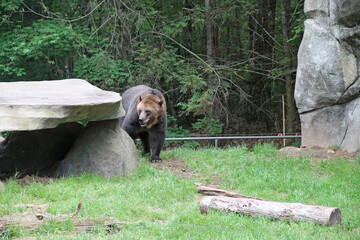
pixel 327 89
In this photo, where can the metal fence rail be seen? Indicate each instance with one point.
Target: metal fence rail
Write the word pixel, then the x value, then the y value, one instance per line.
pixel 216 139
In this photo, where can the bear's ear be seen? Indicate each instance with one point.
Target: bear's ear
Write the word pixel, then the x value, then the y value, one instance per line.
pixel 161 102
pixel 140 98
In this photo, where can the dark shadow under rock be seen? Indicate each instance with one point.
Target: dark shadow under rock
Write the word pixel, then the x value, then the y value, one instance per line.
pixel 34 152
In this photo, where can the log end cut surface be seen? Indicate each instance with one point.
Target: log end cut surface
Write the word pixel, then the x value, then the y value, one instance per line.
pixel 335 217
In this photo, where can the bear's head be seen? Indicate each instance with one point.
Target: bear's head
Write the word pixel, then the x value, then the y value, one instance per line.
pixel 149 109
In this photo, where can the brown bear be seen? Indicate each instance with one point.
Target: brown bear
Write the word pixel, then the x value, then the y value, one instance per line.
pixel 145 118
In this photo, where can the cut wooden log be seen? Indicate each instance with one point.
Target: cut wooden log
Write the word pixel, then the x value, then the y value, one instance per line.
pixel 273 210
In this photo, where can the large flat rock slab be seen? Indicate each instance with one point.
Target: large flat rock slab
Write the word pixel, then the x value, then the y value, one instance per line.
pixel 46 104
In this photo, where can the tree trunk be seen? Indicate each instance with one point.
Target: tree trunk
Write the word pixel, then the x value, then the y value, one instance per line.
pixel 290 83
pixel 262 25
pixel 187 34
pixel 125 47
pixel 273 210
pixel 212 46
pixel 211 32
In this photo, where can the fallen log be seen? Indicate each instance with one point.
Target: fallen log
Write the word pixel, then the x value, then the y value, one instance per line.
pixel 80 225
pixel 32 221
pixel 274 210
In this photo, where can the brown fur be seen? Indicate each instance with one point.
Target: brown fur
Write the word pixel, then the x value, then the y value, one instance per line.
pixel 150 108
pixel 145 118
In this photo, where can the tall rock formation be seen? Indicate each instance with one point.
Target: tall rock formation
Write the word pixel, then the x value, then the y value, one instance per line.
pixel 327 89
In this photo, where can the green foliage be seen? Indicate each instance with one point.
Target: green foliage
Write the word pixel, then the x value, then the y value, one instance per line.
pixel 198 104
pixel 7 5
pixel 208 125
pixel 173 129
pixel 162 66
pixel 84 123
pixel 44 45
pixel 103 71
pixel 4 134
pixel 297 143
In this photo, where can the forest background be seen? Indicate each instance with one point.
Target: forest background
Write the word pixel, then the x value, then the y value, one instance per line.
pixel 222 65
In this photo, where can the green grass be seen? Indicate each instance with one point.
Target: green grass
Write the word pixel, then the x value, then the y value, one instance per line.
pixel 156 204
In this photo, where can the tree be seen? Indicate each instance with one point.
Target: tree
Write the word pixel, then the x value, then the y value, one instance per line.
pixel 290 82
pixel 212 53
pixel 262 35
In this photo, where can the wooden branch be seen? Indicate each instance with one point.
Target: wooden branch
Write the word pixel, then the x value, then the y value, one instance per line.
pixel 273 210
pixel 220 192
pixel 42 216
pixel 77 211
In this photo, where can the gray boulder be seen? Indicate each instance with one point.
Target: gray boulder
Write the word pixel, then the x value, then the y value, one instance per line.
pixel 103 148
pixel 327 89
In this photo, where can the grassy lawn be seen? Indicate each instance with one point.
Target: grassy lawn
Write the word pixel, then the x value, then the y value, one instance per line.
pixel 159 203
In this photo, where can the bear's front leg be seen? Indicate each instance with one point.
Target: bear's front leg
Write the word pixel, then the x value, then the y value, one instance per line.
pixel 157 139
pixel 155 158
pixel 144 137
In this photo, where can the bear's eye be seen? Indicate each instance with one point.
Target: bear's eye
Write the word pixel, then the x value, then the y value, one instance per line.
pixel 148 112
pixel 139 111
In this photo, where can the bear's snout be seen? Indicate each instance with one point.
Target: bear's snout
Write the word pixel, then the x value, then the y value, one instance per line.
pixel 142 122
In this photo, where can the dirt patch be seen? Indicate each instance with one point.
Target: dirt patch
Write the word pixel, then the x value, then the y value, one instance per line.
pixel 318 153
pixel 27 180
pixel 177 166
